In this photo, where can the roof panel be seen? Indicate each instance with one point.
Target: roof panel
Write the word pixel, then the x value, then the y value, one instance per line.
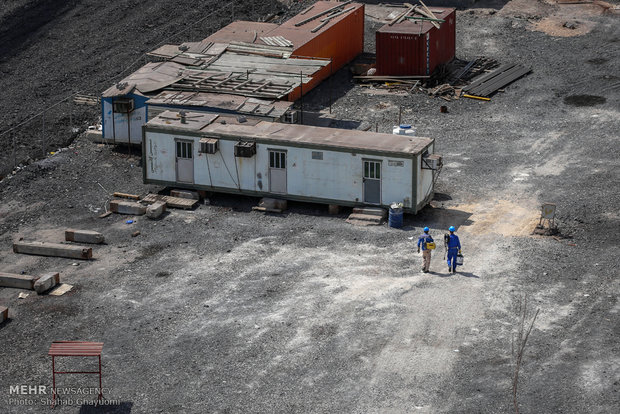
pixel 300 35
pixel 241 31
pixel 304 134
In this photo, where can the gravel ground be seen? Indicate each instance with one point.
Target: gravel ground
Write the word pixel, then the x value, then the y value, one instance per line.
pixel 52 49
pixel 223 309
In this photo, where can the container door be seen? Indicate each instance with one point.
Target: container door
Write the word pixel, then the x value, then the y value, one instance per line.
pixel 277 172
pixel 372 182
pixel 185 161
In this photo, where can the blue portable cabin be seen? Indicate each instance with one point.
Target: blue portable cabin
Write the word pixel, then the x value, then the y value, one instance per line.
pixel 147 92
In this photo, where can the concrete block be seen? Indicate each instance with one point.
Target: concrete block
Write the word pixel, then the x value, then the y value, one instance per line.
pixel 127 207
pixel 185 194
pixel 156 209
pixel 333 209
pixel 4 313
pixel 12 280
pixel 273 204
pixel 84 236
pixel 46 282
pixel 53 249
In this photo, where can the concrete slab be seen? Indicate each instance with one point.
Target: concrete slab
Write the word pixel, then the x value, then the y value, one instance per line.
pixel 364 219
pixel 46 282
pixel 156 209
pixel 84 236
pixel 127 207
pixel 192 195
pixel 53 249
pixel 372 211
pixel 61 289
pixel 12 280
pixel 4 313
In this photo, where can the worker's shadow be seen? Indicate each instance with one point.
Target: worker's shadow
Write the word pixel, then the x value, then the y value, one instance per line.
pixel 123 407
pixel 464 274
pixel 467 274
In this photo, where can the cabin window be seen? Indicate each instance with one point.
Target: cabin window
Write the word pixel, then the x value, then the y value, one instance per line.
pixel 372 169
pixel 317 155
pixel 277 159
pixel 184 149
pixel 123 106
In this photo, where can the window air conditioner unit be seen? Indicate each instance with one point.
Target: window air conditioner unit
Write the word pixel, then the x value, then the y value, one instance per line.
pixel 290 117
pixel 432 162
pixel 209 145
pixel 123 106
pixel 245 149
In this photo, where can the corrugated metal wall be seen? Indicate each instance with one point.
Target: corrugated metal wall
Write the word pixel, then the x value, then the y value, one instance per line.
pixel 411 54
pixel 341 42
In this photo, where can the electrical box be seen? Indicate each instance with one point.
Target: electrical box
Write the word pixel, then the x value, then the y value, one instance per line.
pixel 245 149
pixel 123 105
pixel 432 162
pixel 209 145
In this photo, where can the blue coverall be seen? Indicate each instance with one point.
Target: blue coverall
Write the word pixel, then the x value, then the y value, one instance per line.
pixel 423 239
pixel 454 245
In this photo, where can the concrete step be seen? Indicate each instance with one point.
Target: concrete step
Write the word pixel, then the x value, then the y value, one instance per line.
pixel 370 211
pixel 366 218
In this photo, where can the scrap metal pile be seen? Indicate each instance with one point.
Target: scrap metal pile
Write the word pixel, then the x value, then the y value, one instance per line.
pixel 476 78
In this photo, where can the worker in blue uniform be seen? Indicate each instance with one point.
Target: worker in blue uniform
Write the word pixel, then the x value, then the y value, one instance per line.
pixel 423 241
pixel 453 245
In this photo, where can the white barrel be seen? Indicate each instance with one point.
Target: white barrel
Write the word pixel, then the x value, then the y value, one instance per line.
pixel 403 129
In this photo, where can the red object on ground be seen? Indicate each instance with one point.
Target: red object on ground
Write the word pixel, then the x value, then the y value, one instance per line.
pixel 74 348
pixel 416 47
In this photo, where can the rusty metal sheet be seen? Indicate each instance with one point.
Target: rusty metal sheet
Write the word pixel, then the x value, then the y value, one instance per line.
pixel 303 34
pixel 150 76
pixel 241 31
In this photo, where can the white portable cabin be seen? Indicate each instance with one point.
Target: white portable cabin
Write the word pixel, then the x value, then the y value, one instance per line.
pixel 296 162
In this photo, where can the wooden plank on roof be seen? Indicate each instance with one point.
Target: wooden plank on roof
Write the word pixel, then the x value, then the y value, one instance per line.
pixel 243 83
pixel 258 88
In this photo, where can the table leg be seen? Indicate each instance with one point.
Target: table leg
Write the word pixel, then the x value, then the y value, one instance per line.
pixel 100 389
pixel 53 382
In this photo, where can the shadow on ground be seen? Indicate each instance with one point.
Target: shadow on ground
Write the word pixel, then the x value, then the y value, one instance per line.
pixel 123 408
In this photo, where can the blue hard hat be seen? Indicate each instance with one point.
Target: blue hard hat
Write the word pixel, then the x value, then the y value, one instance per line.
pixel 451 228
pixel 426 229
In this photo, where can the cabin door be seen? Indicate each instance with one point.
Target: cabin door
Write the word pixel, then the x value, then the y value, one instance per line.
pixel 372 182
pixel 185 161
pixel 277 172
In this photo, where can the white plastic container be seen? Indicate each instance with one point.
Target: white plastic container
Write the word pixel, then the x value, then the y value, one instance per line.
pixel 404 129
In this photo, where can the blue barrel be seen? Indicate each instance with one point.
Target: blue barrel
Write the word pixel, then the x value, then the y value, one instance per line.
pixel 396 216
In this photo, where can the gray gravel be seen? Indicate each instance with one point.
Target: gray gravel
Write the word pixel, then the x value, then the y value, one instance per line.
pixel 223 309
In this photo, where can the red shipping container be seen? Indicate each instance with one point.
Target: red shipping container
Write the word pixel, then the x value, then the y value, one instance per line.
pixel 416 47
